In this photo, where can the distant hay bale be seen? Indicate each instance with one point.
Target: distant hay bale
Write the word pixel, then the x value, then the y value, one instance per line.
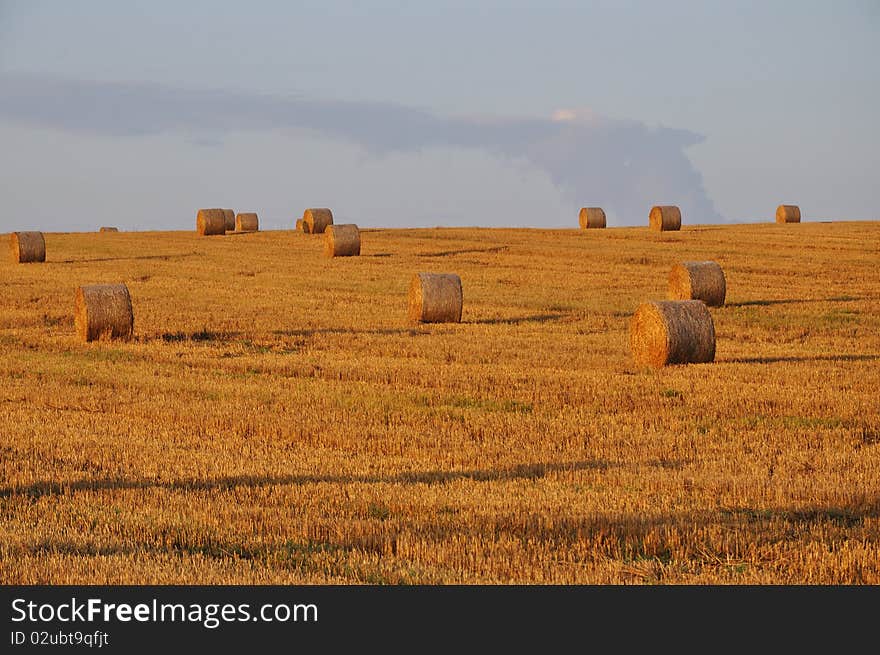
pixel 435 298
pixel 247 222
pixel 664 218
pixel 229 217
pixel 299 225
pixel 317 220
pixel 27 247
pixel 103 311
pixel 672 332
pixel 698 281
pixel 109 229
pixel 590 217
pixel 211 221
pixel 342 241
pixel 788 214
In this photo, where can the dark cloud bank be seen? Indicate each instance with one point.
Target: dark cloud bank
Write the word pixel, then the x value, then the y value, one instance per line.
pixel 623 166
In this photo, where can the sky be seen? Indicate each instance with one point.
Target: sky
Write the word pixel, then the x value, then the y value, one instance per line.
pixel 414 114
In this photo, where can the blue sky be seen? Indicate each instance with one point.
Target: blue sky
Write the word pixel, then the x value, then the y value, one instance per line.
pixel 415 114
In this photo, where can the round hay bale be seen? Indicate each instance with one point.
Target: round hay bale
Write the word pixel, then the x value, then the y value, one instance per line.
pixel 591 217
pixel 247 222
pixel 435 298
pixel 664 218
pixel 672 332
pixel 27 247
pixel 210 222
pixel 698 281
pixel 109 229
pixel 229 218
pixel 788 214
pixel 103 311
pixel 342 241
pixel 300 226
pixel 317 220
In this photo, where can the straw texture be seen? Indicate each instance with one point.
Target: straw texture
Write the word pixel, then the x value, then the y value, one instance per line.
pixel 698 281
pixel 103 311
pixel 317 220
pixel 664 218
pixel 211 222
pixel 788 214
pixel 247 222
pixel 590 217
pixel 229 220
pixel 27 247
pixel 435 298
pixel 342 240
pixel 672 332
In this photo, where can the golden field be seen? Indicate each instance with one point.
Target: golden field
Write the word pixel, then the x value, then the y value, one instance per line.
pixel 277 419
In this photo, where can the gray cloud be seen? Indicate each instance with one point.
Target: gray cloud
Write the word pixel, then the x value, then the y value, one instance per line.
pixel 623 166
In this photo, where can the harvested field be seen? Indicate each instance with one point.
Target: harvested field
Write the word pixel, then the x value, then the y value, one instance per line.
pixel 269 426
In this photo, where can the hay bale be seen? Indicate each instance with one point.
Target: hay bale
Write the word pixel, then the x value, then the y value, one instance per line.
pixel 435 298
pixel 27 247
pixel 109 229
pixel 591 217
pixel 698 281
pixel 672 332
pixel 211 221
pixel 103 311
pixel 247 222
pixel 788 214
pixel 342 241
pixel 317 220
pixel 229 218
pixel 664 218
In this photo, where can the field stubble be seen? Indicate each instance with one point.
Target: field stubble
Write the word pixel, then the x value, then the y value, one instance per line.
pixel 277 419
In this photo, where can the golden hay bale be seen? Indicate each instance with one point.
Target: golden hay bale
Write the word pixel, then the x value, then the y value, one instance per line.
pixel 109 229
pixel 317 220
pixel 229 218
pixel 342 241
pixel 664 217
pixel 672 332
pixel 591 217
pixel 211 221
pixel 27 247
pixel 788 214
pixel 300 226
pixel 103 311
pixel 435 298
pixel 698 281
pixel 247 222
